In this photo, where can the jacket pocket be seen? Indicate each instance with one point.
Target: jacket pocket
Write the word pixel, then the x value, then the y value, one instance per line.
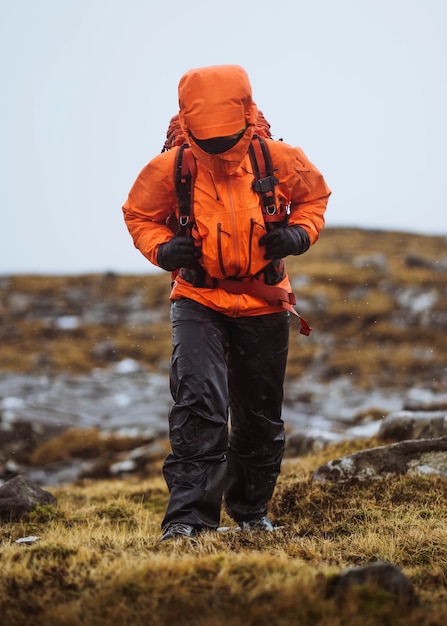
pixel 256 231
pixel 220 245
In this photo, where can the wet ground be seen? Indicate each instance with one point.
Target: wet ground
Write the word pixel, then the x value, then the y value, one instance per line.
pixel 128 400
pixel 73 347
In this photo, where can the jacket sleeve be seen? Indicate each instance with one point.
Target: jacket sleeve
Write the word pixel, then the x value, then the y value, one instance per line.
pixel 309 195
pixel 150 204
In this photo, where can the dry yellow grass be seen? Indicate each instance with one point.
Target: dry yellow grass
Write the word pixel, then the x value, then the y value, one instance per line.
pixel 99 561
pixel 348 283
pixel 81 443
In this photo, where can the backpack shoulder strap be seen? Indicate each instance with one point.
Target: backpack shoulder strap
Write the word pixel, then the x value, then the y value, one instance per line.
pixel 185 172
pixel 264 183
pixel 265 180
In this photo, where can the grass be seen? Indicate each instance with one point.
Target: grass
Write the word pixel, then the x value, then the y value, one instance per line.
pixel 355 287
pixel 99 561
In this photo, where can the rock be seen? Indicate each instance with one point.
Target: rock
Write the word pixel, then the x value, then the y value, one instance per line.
pixel 425 400
pixel 19 495
pixel 418 302
pixel 376 261
pixel 413 260
pixel 56 474
pixel 377 574
pixel 300 443
pixel 20 438
pixel 138 459
pixel 27 541
pixel 422 456
pixel 403 425
pixel 106 350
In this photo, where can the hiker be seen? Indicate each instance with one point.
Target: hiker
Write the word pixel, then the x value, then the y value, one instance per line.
pixel 224 240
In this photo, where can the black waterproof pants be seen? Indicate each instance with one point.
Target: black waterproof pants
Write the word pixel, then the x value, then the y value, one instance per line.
pixel 220 363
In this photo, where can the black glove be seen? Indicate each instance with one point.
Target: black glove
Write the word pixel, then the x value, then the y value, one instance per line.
pixel 285 240
pixel 179 251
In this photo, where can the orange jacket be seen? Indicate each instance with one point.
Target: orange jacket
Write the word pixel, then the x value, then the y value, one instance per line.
pixel 216 102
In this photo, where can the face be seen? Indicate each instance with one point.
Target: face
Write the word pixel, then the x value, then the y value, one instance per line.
pixel 218 145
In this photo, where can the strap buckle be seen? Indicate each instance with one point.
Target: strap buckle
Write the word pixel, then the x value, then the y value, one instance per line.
pixel 183 220
pixel 265 185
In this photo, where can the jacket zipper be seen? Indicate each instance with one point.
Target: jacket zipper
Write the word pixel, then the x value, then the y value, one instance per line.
pixel 250 245
pixel 234 226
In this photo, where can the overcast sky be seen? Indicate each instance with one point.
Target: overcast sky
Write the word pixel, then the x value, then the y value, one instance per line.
pixel 88 88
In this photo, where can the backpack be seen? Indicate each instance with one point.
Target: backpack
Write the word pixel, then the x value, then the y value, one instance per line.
pixel 264 184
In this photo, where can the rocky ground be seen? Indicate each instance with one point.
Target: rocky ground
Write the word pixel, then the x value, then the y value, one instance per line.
pixel 84 359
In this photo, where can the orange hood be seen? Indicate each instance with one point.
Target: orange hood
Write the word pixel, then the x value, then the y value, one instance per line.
pixel 216 101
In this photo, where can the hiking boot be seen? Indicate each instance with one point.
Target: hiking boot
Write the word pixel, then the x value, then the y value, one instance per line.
pixel 262 524
pixel 174 531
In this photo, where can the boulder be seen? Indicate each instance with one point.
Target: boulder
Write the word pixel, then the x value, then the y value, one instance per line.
pixel 378 574
pixel 425 400
pixel 19 438
pixel 403 425
pixel 105 351
pixel 301 443
pixel 422 456
pixel 19 495
pixel 139 459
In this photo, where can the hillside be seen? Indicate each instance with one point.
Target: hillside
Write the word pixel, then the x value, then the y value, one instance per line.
pixel 376 301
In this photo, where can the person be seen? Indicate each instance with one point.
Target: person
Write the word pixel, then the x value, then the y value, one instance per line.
pixel 229 339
